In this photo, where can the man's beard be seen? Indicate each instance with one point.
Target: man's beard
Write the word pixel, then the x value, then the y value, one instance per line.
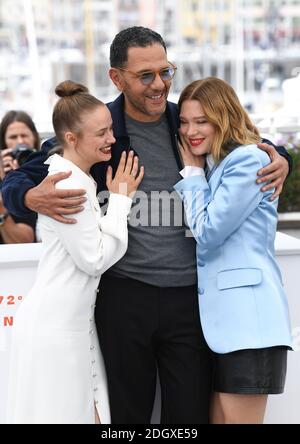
pixel 143 108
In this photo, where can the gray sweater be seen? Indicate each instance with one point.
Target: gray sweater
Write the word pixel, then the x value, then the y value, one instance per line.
pixel 159 251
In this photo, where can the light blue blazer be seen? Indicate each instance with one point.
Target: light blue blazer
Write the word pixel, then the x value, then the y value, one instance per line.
pixel 241 298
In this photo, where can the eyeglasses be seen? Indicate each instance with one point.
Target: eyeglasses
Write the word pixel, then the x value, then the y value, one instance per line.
pixel 148 77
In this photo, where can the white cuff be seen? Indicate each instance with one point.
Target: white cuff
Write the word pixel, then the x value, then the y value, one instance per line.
pixel 190 171
pixel 119 203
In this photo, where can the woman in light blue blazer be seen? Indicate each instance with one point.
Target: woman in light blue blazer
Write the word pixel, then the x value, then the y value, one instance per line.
pixel 243 308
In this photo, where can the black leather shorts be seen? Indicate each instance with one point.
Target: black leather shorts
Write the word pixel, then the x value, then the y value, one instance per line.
pixel 253 371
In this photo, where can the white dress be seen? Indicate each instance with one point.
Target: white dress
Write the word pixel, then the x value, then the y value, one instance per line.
pixel 57 372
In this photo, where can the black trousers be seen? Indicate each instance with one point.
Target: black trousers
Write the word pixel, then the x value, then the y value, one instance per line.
pixel 143 328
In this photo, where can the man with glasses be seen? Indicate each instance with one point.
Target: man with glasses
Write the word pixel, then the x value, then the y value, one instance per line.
pixel 149 76
pixel 147 310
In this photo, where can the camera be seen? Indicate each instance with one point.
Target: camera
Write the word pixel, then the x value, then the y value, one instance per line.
pixel 21 153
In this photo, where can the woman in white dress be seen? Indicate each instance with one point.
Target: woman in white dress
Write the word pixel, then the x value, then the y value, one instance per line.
pixel 57 371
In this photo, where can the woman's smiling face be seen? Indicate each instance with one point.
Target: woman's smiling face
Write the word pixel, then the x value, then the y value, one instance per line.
pixel 195 129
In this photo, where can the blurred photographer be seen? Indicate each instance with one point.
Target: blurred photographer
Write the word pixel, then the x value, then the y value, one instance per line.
pixel 18 139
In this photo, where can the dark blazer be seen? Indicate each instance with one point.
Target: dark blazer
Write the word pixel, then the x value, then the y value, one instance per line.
pixel 31 173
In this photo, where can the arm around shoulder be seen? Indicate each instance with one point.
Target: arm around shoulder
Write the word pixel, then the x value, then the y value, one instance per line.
pixel 95 243
pixel 283 152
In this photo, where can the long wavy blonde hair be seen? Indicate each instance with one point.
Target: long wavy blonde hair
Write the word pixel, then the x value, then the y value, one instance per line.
pixel 224 111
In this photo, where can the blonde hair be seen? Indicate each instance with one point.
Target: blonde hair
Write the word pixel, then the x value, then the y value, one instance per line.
pixel 75 100
pixel 224 111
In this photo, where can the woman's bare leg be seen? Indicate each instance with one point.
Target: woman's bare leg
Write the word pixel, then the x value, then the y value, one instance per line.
pixel 97 419
pixel 216 412
pixel 230 408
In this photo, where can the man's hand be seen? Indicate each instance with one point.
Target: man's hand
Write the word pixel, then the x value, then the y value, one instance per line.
pixel 48 200
pixel 275 173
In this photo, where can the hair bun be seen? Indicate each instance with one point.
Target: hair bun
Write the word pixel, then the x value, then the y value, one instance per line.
pixel 69 88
